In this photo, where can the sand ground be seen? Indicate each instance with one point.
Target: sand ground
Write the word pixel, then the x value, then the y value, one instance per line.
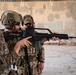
pixel 60 60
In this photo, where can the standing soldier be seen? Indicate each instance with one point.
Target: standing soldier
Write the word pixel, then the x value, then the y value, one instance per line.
pixel 36 51
pixel 11 61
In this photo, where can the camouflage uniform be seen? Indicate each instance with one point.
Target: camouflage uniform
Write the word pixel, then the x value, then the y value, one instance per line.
pixel 12 64
pixel 4 63
pixel 36 51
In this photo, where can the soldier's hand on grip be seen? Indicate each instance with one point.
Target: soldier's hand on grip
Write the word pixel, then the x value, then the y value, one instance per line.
pixel 25 42
pixel 22 43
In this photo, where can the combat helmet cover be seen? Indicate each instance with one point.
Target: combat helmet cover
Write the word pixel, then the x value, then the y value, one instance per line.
pixel 10 17
pixel 27 19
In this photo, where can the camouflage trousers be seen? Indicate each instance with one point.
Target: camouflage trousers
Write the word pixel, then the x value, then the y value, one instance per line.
pixel 22 70
pixel 34 68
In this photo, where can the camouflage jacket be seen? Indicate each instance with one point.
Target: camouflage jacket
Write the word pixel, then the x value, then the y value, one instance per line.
pixel 11 62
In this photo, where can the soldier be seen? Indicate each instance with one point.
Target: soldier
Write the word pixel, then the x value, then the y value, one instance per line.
pixel 12 57
pixel 36 52
pixel 11 61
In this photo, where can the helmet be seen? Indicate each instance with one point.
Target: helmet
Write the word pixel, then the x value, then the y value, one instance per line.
pixel 10 18
pixel 28 19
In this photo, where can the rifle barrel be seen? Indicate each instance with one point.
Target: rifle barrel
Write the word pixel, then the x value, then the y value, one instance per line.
pixel 71 37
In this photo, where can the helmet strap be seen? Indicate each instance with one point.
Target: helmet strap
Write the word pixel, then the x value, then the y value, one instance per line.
pixel 8 27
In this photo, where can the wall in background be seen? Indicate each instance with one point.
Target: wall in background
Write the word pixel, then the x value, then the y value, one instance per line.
pixel 59 16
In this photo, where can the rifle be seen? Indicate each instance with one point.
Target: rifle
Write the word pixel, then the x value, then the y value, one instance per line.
pixel 30 31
